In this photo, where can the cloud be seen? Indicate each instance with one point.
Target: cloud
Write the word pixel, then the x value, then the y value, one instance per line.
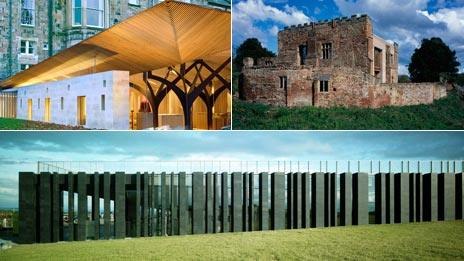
pixel 408 22
pixel 254 18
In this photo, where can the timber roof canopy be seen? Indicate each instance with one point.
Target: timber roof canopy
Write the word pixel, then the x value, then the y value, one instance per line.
pixel 168 34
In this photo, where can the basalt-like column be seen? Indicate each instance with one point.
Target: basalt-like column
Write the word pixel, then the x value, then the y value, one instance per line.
pixel 360 199
pixel 402 197
pixel 380 198
pixel 251 197
pixel 430 197
pixel 120 205
pixel 82 206
pixel 146 200
pixel 57 209
pixel 446 196
pixel 106 205
pixel 245 188
pixel 305 199
pixel 225 202
pixel 390 198
pixel 27 208
pixel 290 200
pixel 278 200
pixel 297 199
pixel 137 205
pixel 237 203
pixel 71 234
pixel 209 202
pixel 317 199
pixel 198 199
pixel 96 205
pixel 333 199
pixel 183 204
pixel 418 197
pixel 459 196
pixel 263 201
pixel 345 199
pixel 216 203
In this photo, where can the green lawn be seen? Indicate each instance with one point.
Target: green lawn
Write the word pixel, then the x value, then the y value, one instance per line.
pixel 17 124
pixel 417 241
pixel 446 113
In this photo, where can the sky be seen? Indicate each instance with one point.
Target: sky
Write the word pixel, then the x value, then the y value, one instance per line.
pixel 405 22
pixel 20 151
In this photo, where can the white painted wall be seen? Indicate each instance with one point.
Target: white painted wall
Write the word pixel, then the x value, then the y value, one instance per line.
pixel 116 113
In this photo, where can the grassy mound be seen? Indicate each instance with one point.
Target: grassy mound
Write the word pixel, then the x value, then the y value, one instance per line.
pixel 446 113
pixel 416 241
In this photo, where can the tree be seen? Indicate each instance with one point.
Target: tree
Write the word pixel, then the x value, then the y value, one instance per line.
pixel 403 79
pixel 432 58
pixel 251 47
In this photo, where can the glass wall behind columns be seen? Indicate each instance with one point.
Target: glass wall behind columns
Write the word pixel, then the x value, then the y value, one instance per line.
pixel 140 111
pixel 221 110
pixel 170 112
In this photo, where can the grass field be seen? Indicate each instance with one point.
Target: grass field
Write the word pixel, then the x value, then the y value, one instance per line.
pixel 446 113
pixel 17 124
pixel 436 240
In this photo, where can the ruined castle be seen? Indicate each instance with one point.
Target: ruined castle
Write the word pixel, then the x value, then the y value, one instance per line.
pixel 337 62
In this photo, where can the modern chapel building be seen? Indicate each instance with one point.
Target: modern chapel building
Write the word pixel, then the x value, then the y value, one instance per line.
pixel 167 66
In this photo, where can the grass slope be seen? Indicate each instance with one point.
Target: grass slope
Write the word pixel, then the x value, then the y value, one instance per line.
pixel 17 124
pixel 414 241
pixel 446 113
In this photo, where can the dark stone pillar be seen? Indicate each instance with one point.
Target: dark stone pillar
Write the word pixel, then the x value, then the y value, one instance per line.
pixel 317 199
pixel 345 199
pixel 146 208
pixel 245 202
pixel 157 198
pixel 56 227
pixel 446 196
pixel 402 198
pixel 152 203
pixel 120 205
pixel 45 207
pixel 251 197
pixel 412 197
pixel 183 204
pixel 305 199
pixel 209 203
pixel 225 202
pixel 106 204
pixel 82 206
pixel 138 215
pixel 71 207
pixel 237 203
pixel 459 196
pixel 216 203
pixel 380 198
pixel 360 199
pixel 297 200
pixel 390 198
pixel 290 200
pixel 333 200
pixel 27 208
pixel 430 197
pixel 96 205
pixel 198 199
pixel 263 201
pixel 164 202
pixel 418 196
pixel 326 199
pixel 278 200
pixel 174 208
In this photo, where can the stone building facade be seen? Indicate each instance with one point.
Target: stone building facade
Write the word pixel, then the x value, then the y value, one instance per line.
pixel 336 62
pixel 33 30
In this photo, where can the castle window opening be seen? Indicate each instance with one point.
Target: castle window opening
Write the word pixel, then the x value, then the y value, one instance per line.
pixel 303 52
pixel 283 82
pixel 326 51
pixel 324 86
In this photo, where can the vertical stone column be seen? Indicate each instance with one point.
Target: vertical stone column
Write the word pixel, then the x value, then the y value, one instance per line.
pixel 290 200
pixel 446 196
pixel 418 196
pixel 225 202
pixel 138 215
pixel 216 210
pixel 360 199
pixel 345 199
pixel 198 203
pixel 245 202
pixel 297 200
pixel 317 199
pixel 459 196
pixel 174 207
pixel 96 205
pixel 333 200
pixel 237 203
pixel 45 207
pixel 106 204
pixel 82 206
pixel 152 222
pixel 120 205
pixel 390 198
pixel 27 208
pixel 57 227
pixel 380 198
pixel 157 201
pixel 430 197
pixel 209 202
pixel 278 200
pixel 305 199
pixel 263 201
pixel 164 200
pixel 146 208
pixel 183 204
pixel 412 197
pixel 251 197
pixel 71 206
pixel 402 198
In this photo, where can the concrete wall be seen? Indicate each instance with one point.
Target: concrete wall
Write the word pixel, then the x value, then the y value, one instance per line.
pixel 115 115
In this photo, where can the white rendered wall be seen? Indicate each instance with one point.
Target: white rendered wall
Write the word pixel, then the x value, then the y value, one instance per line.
pixel 116 113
